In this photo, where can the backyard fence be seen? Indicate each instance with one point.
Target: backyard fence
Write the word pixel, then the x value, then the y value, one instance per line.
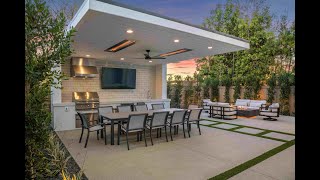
pixel 263 95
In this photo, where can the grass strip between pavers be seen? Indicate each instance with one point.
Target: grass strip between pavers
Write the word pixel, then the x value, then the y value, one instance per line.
pixel 238 169
pixel 257 135
pixel 215 123
pixel 250 127
pixel 264 132
pixel 235 128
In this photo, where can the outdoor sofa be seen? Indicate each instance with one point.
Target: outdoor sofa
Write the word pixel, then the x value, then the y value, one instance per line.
pixel 251 104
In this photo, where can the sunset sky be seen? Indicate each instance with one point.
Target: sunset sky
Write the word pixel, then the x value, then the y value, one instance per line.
pixel 183 68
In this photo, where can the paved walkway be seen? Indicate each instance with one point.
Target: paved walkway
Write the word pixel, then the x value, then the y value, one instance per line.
pixel 199 157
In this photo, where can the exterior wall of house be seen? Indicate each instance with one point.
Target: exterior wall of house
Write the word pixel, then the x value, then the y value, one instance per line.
pixel 146 80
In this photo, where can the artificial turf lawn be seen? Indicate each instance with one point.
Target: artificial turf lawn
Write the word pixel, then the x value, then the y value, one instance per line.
pixel 238 169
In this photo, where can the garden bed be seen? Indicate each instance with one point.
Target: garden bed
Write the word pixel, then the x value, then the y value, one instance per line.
pixel 72 166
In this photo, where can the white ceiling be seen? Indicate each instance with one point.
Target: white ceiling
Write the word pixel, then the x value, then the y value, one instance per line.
pixel 97 31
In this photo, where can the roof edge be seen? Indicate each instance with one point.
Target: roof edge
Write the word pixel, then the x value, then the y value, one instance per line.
pixel 169 18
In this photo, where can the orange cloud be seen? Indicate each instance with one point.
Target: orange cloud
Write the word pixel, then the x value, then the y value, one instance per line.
pixel 183 68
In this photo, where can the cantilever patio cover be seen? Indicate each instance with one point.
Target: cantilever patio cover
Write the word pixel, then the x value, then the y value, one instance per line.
pixel 100 24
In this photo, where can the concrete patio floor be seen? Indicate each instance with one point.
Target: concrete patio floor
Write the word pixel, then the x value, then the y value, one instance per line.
pixel 199 157
pixel 283 124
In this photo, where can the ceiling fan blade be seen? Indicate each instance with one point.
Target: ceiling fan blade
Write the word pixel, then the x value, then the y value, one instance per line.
pixel 137 58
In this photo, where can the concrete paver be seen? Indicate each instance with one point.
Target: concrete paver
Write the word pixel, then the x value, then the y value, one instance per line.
pixel 249 130
pixel 250 175
pixel 280 136
pixel 224 126
pixel 207 122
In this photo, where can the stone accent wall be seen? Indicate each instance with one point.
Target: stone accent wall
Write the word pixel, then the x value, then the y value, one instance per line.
pixel 145 83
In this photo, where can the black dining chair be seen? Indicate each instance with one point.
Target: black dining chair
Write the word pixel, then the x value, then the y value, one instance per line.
pixel 157 106
pixel 177 118
pixel 142 107
pixel 158 121
pixel 85 125
pixel 103 110
pixel 193 118
pixel 136 123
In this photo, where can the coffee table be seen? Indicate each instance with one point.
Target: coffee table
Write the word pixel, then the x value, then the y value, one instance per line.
pixel 248 112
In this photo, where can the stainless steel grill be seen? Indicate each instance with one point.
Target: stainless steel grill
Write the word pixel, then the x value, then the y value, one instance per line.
pixel 87 103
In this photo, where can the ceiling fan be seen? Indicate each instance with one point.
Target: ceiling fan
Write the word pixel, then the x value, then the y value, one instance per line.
pixel 148 57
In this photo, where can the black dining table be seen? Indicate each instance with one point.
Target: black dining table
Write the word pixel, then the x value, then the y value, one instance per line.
pixel 122 116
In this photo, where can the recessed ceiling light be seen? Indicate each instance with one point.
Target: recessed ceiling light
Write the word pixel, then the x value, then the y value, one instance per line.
pixel 150 61
pixel 176 40
pixel 209 47
pixel 129 31
pixel 88 55
pixel 121 59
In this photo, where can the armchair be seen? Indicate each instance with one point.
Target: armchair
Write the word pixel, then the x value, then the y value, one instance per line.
pixel 229 113
pixel 270 112
pixel 205 105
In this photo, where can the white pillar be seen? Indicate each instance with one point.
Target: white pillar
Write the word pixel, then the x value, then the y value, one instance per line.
pixel 161 81
pixel 55 96
pixel 56 92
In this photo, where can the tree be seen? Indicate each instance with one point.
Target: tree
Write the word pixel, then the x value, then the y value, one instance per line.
pixel 188 91
pixel 251 65
pixel 177 91
pixel 286 45
pixel 47 45
pixel 214 89
pixel 197 89
pixel 68 8
pixel 272 82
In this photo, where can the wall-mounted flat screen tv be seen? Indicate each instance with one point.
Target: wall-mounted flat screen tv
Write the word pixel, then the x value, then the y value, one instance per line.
pixel 118 78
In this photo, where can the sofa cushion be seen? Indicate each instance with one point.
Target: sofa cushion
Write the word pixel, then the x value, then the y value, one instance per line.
pixel 230 113
pixel 258 101
pixel 255 104
pixel 212 103
pixel 216 108
pixel 224 104
pixel 276 105
pixel 216 112
pixel 271 114
pixel 241 103
pixel 273 106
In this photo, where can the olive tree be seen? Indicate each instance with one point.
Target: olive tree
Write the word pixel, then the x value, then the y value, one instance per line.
pixel 47 45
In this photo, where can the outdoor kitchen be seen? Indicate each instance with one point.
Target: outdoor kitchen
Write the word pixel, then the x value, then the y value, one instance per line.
pixel 81 90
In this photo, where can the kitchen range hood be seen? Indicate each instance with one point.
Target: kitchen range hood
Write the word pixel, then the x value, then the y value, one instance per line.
pixel 83 67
